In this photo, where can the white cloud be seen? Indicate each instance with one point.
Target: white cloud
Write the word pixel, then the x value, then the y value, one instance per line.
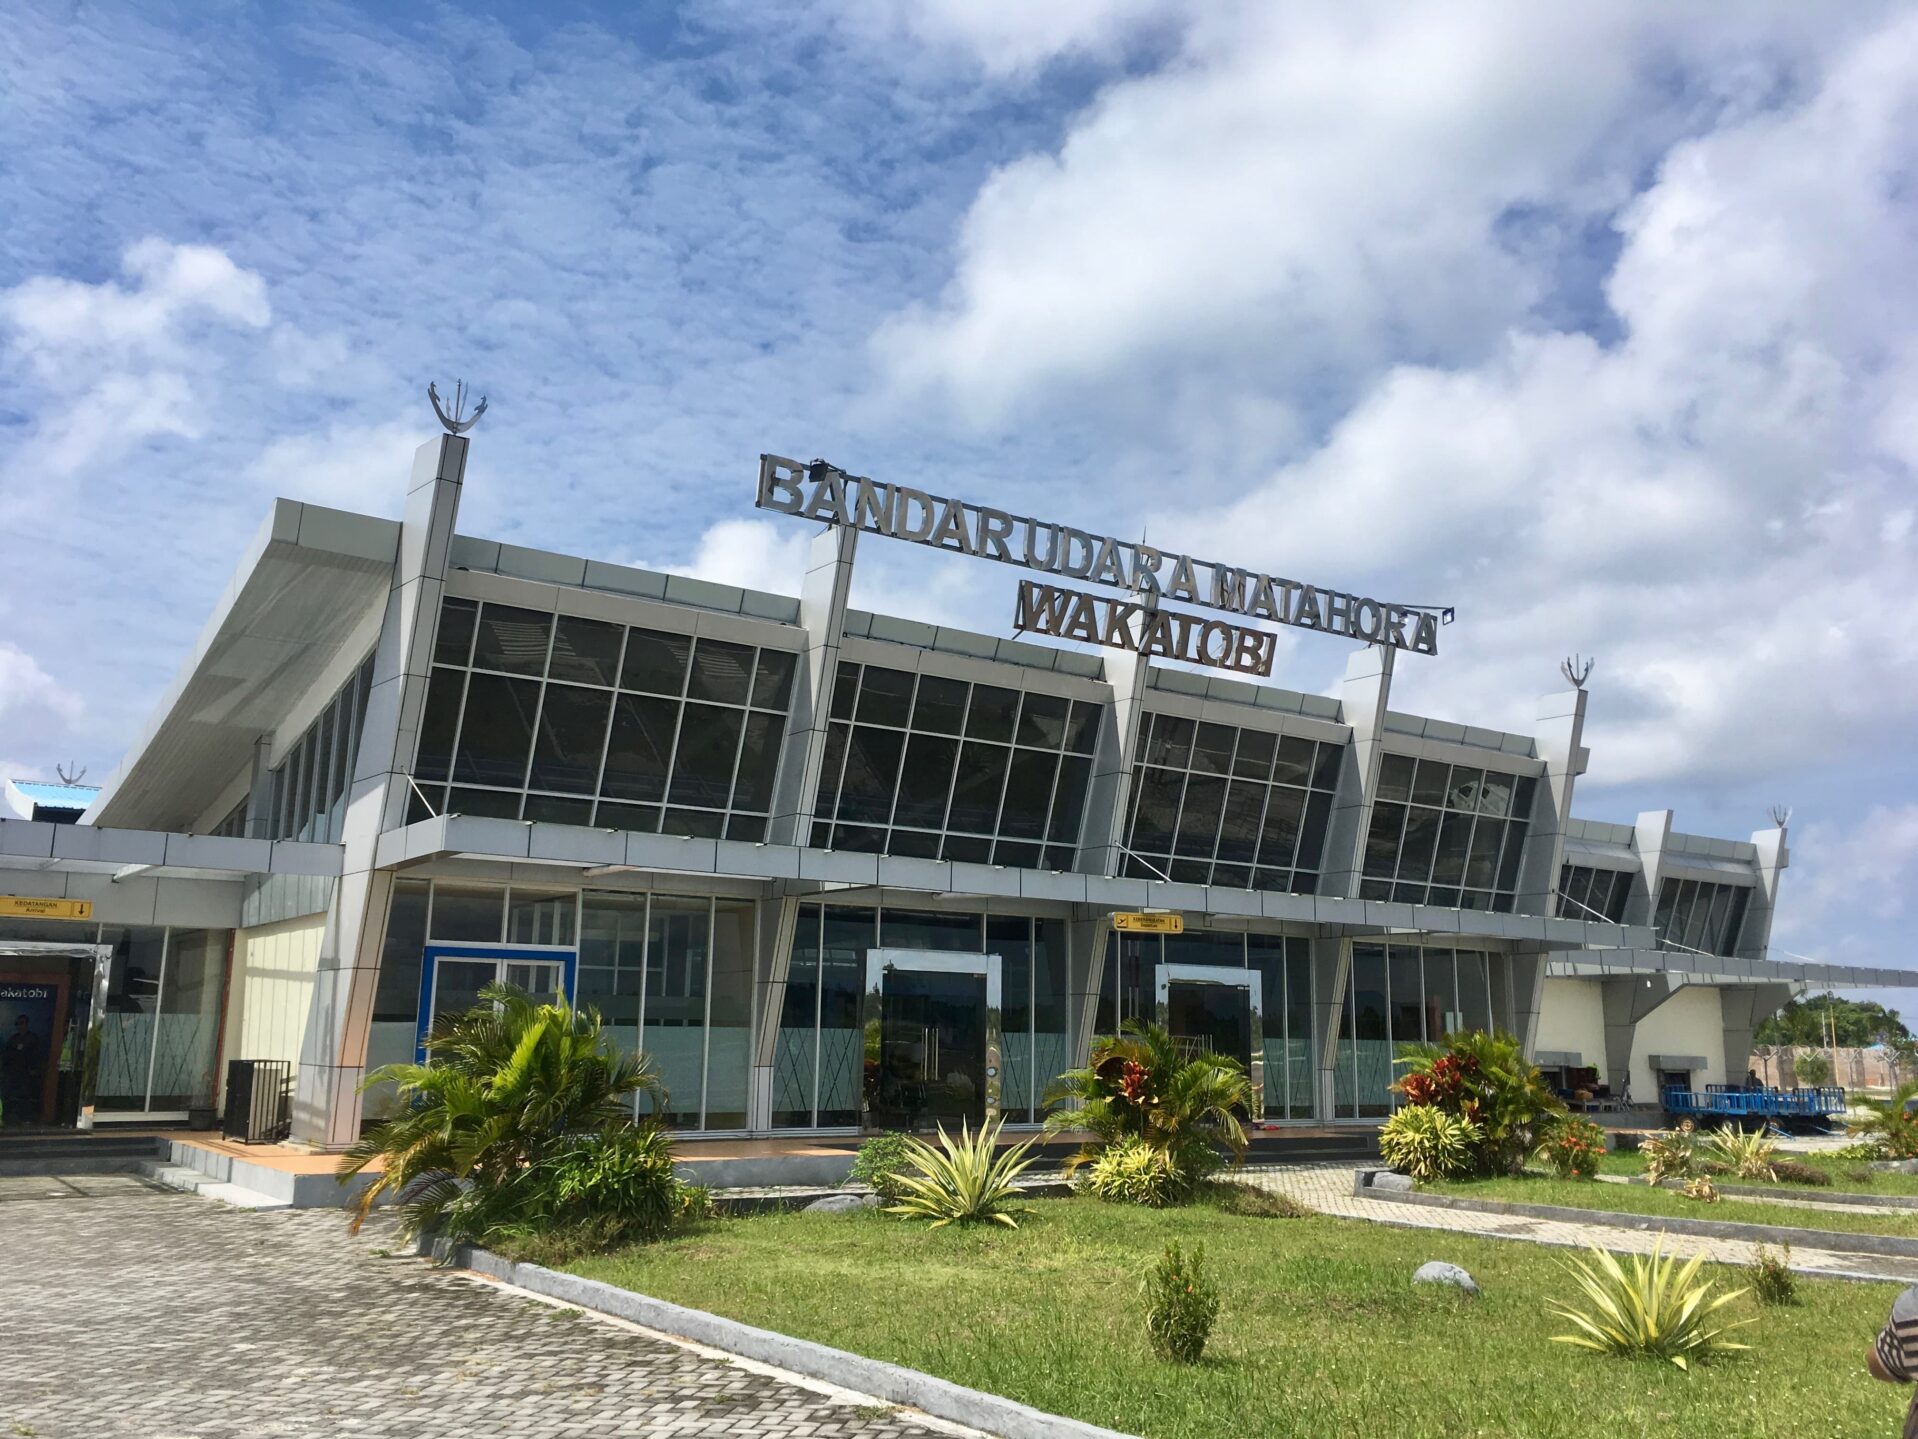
pixel 1843 876
pixel 347 466
pixel 752 554
pixel 1010 36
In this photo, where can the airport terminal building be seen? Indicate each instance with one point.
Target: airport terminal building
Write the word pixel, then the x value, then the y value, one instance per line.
pixel 838 870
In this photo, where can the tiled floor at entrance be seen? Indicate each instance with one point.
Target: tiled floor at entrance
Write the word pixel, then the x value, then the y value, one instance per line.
pixel 133 1311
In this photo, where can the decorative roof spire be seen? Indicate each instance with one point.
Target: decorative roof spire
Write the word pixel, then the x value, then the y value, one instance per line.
pixel 1576 671
pixel 459 422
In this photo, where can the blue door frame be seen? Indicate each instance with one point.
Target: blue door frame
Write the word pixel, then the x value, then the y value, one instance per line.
pixel 431 956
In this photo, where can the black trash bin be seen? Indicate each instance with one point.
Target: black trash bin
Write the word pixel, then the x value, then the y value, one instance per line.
pixel 258 1100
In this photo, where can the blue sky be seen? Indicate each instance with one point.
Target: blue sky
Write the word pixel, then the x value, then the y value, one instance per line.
pixel 1598 325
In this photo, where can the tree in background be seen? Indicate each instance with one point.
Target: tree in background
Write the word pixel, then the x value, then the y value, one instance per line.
pixel 1853 1024
pixel 1812 1069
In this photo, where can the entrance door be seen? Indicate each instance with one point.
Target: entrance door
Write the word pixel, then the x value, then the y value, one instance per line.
pixel 452 976
pixel 1216 1009
pixel 932 1039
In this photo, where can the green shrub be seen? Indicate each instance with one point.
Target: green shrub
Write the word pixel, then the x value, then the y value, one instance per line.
pixel 1427 1143
pixel 878 1162
pixel 1573 1147
pixel 1772 1281
pixel 1892 1123
pixel 1139 1086
pixel 1134 1172
pixel 967 1180
pixel 1862 1151
pixel 1670 1153
pixel 1745 1155
pixel 622 1176
pixel 1790 1171
pixel 1180 1305
pixel 1648 1307
pixel 1487 1079
pixel 510 1087
pixel 1812 1068
pixel 1252 1202
pixel 696 1204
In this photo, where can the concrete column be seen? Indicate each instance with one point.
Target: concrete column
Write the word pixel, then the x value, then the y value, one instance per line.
pixel 1754 940
pixel 1527 995
pixel 1363 700
pixel 326 1104
pixel 1088 937
pixel 1651 835
pixel 1331 969
pixel 778 922
pixel 822 610
pixel 1627 999
pixel 1109 794
pixel 1558 734
pixel 259 798
pixel 1745 1007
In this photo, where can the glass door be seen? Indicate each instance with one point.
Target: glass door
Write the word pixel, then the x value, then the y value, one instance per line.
pixel 1216 1009
pixel 453 975
pixel 932 1028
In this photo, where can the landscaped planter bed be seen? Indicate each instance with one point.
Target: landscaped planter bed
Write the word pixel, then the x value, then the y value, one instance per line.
pixel 1321 1332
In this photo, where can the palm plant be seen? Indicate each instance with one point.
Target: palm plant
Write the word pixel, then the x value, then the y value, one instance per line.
pixel 1139 1086
pixel 507 1085
pixel 964 1181
pixel 1648 1307
pixel 1893 1122
pixel 1746 1154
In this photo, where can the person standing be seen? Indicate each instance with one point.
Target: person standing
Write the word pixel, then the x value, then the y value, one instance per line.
pixel 23 1068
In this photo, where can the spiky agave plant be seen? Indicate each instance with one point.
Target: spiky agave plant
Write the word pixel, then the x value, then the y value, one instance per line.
pixel 967 1180
pixel 507 1084
pixel 1746 1154
pixel 1649 1307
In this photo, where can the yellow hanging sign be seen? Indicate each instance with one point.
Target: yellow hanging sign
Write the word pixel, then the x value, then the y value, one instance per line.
pixel 25 906
pixel 1150 923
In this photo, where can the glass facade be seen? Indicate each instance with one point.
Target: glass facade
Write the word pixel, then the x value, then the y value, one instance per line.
pixel 1700 916
pixel 310 784
pixel 1212 804
pixel 937 768
pixel 1128 989
pixel 1398 995
pixel 531 715
pixel 1588 893
pixel 160 1033
pixel 1446 834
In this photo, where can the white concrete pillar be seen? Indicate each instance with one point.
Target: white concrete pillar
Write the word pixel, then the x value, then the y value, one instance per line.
pixel 1627 999
pixel 1744 1007
pixel 1331 971
pixel 1109 792
pixel 1754 939
pixel 326 1105
pixel 1651 835
pixel 823 597
pixel 1363 700
pixel 259 796
pixel 1559 734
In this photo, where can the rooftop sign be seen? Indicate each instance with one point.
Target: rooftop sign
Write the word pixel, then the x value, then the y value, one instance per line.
pixel 1126 625
pixel 820 492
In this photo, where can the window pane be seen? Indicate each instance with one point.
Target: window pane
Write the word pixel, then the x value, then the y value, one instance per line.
pixel 795 1053
pixel 730 1014
pixel 758 762
pixel 397 999
pixel 885 696
pixel 1408 996
pixel 976 786
pixel 533 917
pixel 751 828
pixel 1475 995
pixel 467 912
pixel 872 772
pixel 1171 742
pixel 586 650
pixel 1051 1052
pixel 842 980
pixel 1523 792
pixel 1454 838
pixel 1495 794
pixel 1028 793
pixel 677 955
pixel 845 690
pixel 551 809
pixel 1295 761
pixel 512 639
pixel 991 712
pixel 1157 813
pixel 721 671
pixel 443 698
pixel 1395 777
pixel 1382 844
pixel 1318 809
pixel 1212 749
pixel 1239 825
pixel 1325 768
pixel 612 946
pixel 453 643
pixel 497 735
pixel 941 705
pixel 1042 720
pixel 572 732
pixel 926 781
pixel 708 750
pixel 484 803
pixel 1279 835
pixel 1513 852
pixel 915 843
pixel 639 748
pixel 655 663
pixel 773 681
pixel 1082 730
pixel 1199 816
pixel 1254 757
pixel 1371 1031
pixel 1018 854
pixel 1068 804
pixel 1482 867
pixel 1421 835
pixel 1464 788
pixel 909 929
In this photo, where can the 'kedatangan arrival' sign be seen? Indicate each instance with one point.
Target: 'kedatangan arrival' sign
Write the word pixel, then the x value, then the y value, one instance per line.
pixel 821 492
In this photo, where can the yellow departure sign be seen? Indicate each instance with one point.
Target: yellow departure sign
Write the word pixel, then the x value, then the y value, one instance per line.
pixel 27 906
pixel 1150 923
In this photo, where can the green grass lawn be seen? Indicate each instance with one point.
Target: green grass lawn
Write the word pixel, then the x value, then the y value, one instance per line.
pixel 1847 1175
pixel 1643 1199
pixel 1321 1332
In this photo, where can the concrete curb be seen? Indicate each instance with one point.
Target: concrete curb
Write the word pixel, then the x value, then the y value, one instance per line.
pixel 1808 1192
pixel 891 1382
pixel 1841 1242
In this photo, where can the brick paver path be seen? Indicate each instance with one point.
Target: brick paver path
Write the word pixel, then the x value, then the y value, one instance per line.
pixel 1328 1189
pixel 130 1310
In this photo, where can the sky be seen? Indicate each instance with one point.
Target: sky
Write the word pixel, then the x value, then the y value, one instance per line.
pixel 1598 323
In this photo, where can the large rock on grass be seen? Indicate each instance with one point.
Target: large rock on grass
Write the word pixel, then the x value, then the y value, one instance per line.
pixel 1439 1272
pixel 841 1203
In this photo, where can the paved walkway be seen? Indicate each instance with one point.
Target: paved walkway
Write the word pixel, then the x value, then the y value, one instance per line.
pixel 129 1310
pixel 1328 1189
